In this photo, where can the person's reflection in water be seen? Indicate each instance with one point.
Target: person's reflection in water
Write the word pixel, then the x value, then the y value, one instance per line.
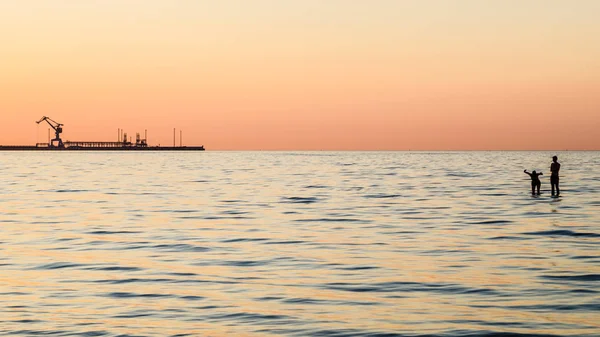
pixel 535 181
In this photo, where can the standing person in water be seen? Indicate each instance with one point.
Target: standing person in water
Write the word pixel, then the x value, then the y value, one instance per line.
pixel 554 168
pixel 535 181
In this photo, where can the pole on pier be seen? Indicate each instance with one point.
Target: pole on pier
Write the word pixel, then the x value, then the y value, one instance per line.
pixel 118 135
pixel 174 137
pixel 146 135
pixel 180 138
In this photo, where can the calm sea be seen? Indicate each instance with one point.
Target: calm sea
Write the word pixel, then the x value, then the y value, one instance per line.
pixel 298 244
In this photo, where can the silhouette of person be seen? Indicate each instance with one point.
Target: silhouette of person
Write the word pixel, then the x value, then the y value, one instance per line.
pixel 554 168
pixel 535 181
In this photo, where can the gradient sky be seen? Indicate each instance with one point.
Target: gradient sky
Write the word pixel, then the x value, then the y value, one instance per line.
pixel 305 75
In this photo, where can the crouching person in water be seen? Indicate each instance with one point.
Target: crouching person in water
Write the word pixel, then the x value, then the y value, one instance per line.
pixel 535 181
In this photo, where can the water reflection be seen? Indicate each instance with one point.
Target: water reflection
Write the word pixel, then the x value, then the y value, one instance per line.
pixel 330 244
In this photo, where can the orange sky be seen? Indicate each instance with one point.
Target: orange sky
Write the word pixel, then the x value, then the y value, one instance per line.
pixel 305 75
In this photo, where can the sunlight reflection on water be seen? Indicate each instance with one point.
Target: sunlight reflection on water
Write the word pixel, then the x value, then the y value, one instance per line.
pixel 316 243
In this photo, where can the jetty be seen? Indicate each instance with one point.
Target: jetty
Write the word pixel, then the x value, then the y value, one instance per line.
pixel 124 143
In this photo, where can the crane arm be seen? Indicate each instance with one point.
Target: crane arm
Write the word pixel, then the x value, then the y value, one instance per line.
pixel 50 122
pixel 57 129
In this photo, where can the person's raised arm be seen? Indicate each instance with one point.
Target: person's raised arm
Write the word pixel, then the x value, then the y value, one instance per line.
pixel 527 172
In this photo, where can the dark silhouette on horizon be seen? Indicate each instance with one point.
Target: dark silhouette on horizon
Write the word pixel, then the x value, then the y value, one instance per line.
pixel 535 181
pixel 57 130
pixel 554 168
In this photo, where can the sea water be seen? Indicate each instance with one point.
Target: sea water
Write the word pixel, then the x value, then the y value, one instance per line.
pixel 298 244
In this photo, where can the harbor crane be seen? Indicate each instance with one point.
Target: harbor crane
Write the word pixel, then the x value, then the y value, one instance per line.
pixel 57 130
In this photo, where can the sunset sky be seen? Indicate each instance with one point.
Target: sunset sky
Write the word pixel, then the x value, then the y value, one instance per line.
pixel 305 75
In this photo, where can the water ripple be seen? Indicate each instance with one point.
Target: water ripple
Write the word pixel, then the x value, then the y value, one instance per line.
pixel 563 232
pixel 298 244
